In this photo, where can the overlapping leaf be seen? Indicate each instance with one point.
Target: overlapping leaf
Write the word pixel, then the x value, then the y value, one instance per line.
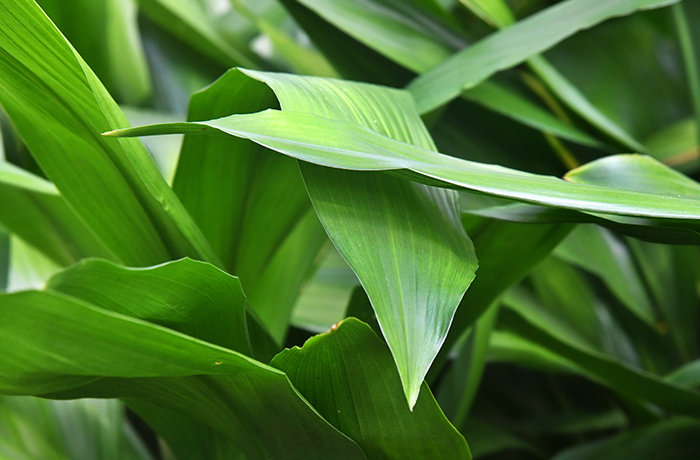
pixel 59 107
pixel 125 336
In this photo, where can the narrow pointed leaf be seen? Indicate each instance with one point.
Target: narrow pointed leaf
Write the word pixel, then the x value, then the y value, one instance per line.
pixel 114 187
pixel 347 374
pixel 344 145
pixel 514 45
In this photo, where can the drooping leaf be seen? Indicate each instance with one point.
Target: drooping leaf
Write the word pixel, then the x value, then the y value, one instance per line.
pixel 515 44
pixel 344 145
pixel 81 349
pixel 114 187
pixel 348 375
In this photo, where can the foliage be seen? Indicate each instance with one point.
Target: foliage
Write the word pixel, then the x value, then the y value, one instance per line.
pixel 385 229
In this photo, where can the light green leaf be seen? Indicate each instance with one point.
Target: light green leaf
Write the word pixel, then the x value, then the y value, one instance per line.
pixel 114 187
pixel 347 374
pixel 514 45
pixel 342 145
pixel 418 262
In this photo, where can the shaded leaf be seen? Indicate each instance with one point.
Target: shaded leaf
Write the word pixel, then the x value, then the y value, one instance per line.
pixel 347 374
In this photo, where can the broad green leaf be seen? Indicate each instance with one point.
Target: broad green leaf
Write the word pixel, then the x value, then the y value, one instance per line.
pixel 343 145
pixel 114 187
pixel 348 375
pixel 416 264
pixel 191 297
pixel 87 429
pixel 674 439
pixel 80 349
pixel 514 45
pixel 251 204
pixel 624 379
pixel 413 260
pixel 598 251
pixel 486 439
pixel 106 34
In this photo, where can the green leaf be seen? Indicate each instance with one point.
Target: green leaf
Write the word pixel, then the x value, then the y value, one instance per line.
pixel 347 374
pixel 64 347
pixel 44 221
pixel 251 204
pixel 344 145
pixel 87 429
pixel 514 45
pixel 628 381
pixel 420 247
pixel 14 176
pixel 114 187
pixel 674 439
pixel 689 41
pixel 507 252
